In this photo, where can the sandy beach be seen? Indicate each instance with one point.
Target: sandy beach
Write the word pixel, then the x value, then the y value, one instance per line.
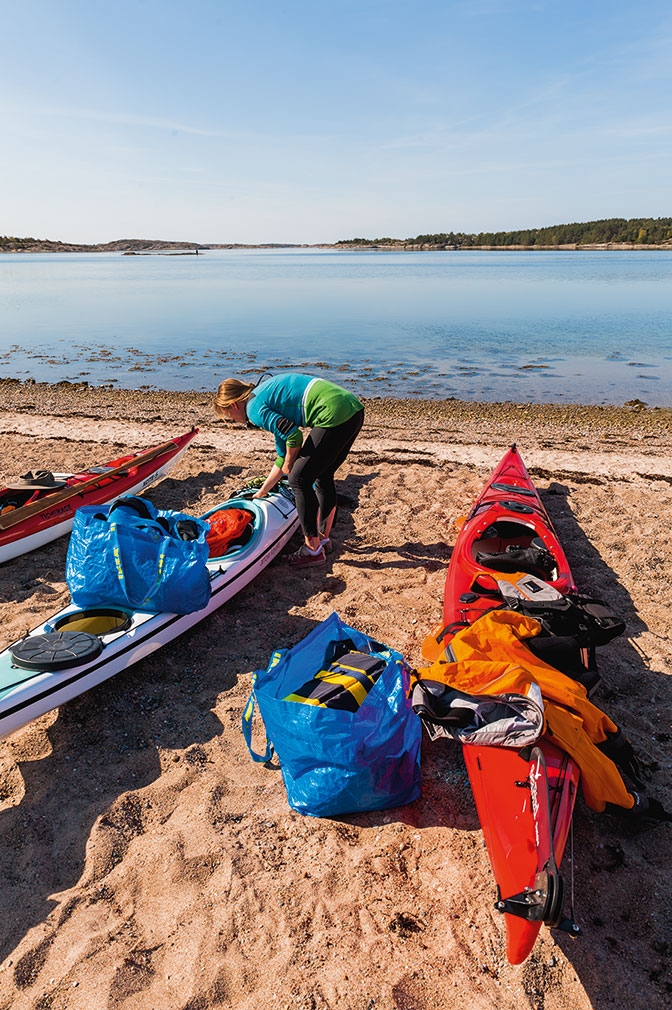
pixel 148 863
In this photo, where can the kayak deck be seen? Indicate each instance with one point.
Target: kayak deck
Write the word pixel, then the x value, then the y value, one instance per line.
pixel 508 514
pixel 519 837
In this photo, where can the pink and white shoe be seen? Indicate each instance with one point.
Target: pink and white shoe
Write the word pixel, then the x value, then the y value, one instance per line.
pixel 305 558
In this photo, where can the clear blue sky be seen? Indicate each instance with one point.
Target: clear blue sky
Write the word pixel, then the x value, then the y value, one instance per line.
pixel 316 120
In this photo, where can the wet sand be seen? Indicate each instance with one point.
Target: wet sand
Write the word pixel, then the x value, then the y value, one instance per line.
pixel 149 863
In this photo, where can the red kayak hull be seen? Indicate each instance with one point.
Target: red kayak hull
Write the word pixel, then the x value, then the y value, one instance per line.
pixel 514 840
pixel 519 831
pixel 53 520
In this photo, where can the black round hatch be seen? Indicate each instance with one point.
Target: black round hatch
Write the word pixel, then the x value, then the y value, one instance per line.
pixel 55 650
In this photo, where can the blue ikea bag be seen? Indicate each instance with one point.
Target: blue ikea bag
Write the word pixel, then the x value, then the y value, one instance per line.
pixel 133 555
pixel 335 761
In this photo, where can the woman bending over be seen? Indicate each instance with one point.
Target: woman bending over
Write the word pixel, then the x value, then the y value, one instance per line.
pixel 283 405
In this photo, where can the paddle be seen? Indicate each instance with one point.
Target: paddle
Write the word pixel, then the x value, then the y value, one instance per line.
pixel 25 511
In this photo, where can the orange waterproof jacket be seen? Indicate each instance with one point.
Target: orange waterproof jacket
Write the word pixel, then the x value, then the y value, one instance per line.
pixel 491 658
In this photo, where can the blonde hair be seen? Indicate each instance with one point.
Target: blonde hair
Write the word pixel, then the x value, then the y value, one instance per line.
pixel 232 391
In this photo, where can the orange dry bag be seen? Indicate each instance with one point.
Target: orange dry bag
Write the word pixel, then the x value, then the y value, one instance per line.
pixel 226 525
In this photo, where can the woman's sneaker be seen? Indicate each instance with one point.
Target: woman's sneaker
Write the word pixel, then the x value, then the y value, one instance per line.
pixel 326 545
pixel 305 558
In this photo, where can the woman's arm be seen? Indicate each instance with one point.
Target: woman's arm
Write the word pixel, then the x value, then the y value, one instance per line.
pixel 291 458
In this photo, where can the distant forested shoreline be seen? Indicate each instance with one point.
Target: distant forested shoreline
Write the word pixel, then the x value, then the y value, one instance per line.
pixel 610 233
pixel 615 231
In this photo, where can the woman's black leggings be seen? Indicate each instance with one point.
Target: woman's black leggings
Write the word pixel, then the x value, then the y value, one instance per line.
pixel 312 476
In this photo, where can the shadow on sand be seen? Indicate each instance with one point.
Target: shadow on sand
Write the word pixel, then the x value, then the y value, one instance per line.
pixel 616 859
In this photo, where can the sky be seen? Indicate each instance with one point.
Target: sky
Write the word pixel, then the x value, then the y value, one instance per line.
pixel 308 121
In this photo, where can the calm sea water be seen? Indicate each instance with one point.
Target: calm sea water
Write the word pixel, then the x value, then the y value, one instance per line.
pixel 587 327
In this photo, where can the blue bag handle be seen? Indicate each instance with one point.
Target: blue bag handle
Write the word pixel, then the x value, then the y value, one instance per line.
pixel 248 715
pixel 146 596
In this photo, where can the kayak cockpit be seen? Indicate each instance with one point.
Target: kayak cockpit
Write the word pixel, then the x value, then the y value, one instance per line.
pixel 248 536
pixel 512 545
pixel 11 499
pixel 96 621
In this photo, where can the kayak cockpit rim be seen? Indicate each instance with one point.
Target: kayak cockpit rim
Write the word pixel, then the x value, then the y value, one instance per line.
pixel 96 620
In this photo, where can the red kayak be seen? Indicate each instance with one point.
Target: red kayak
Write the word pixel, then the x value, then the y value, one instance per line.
pixel 40 506
pixel 524 799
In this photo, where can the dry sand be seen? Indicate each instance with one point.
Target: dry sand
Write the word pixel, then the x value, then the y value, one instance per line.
pixel 148 863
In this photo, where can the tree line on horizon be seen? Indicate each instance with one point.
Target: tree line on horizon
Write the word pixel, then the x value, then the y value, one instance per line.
pixel 617 230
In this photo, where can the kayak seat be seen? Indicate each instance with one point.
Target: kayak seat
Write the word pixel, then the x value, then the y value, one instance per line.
pixel 509 531
pixel 514 547
pixel 243 539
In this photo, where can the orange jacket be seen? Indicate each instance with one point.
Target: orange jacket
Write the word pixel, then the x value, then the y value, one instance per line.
pixel 491 658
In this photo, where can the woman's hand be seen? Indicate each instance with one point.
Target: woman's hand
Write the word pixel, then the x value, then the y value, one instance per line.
pixel 270 482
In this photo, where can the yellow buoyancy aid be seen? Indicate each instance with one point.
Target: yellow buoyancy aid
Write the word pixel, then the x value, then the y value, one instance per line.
pixel 491 658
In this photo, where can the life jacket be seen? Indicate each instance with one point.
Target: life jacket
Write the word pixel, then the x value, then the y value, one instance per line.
pixel 226 525
pixel 589 621
pixel 491 658
pixel 344 684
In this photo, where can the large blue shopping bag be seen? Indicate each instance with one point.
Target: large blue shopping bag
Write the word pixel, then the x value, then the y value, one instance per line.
pixel 133 555
pixel 338 755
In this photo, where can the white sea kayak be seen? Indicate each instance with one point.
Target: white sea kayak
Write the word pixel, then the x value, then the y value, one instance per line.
pixel 76 649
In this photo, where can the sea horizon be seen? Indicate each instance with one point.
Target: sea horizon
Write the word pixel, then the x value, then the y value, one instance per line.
pixel 558 327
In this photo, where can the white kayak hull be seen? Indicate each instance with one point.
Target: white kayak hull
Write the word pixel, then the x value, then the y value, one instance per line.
pixel 27 694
